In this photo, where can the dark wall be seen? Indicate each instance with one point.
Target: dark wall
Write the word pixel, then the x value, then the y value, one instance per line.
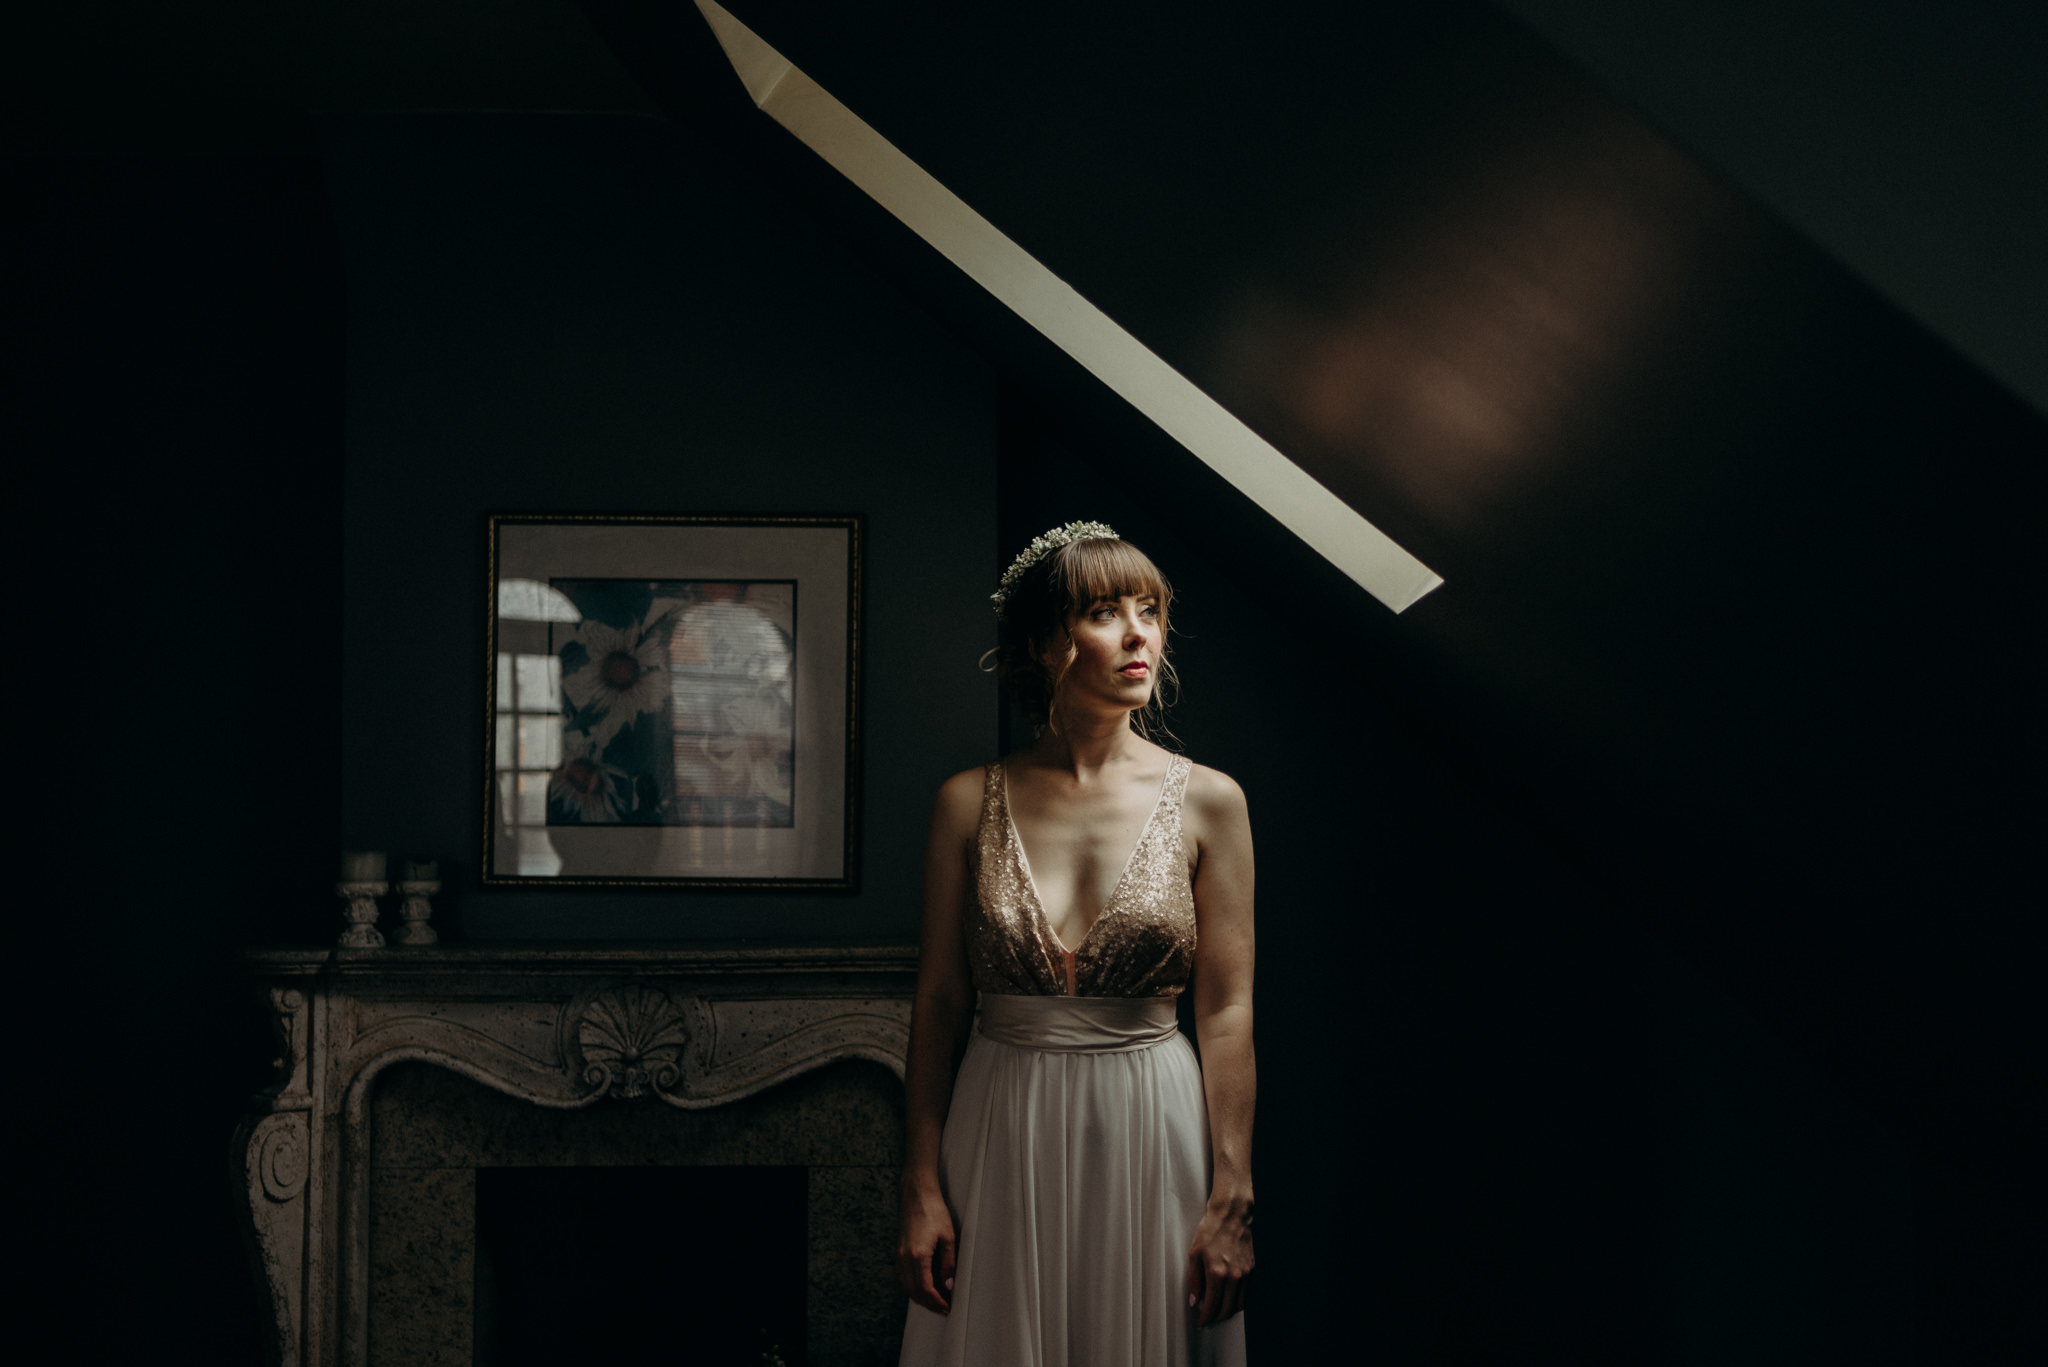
pixel 601 314
pixel 174 452
pixel 519 312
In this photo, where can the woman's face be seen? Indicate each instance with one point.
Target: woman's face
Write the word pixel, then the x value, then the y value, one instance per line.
pixel 1117 644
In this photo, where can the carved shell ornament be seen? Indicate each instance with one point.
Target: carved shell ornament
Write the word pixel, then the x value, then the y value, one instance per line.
pixel 632 1040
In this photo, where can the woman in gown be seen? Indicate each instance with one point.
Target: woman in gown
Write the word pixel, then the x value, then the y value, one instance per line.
pixel 1077 1189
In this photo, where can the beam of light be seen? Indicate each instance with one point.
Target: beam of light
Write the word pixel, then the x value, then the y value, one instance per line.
pixel 1251 464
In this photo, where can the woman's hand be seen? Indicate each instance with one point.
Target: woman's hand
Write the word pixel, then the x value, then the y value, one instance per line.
pixel 1219 1261
pixel 939 1020
pixel 924 1250
pixel 1220 1258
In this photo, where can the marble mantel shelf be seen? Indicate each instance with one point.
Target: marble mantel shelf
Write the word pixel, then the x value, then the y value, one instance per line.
pixel 564 1026
pixel 546 957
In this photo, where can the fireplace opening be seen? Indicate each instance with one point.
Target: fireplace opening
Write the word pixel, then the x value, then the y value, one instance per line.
pixel 632 1264
pixel 596 1214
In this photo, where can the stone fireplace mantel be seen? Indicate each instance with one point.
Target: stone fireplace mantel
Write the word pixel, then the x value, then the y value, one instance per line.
pixel 561 1027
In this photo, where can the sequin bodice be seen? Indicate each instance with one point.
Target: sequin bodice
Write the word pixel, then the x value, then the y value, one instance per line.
pixel 1143 943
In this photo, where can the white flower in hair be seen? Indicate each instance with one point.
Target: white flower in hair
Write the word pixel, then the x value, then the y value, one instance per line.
pixel 1042 546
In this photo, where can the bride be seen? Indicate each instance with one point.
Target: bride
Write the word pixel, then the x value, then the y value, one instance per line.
pixel 1077 1189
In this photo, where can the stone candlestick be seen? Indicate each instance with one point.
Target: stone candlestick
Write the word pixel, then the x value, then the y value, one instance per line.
pixel 362 866
pixel 413 913
pixel 359 910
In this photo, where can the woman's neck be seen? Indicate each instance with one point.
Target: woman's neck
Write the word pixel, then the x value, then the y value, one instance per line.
pixel 1088 743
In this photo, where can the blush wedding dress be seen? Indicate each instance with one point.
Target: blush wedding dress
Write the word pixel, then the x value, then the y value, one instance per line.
pixel 1075 1158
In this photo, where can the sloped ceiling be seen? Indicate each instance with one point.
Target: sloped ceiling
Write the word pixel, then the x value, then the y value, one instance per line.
pixel 1909 140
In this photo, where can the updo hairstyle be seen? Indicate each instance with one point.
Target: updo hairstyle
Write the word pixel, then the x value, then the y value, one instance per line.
pixel 1049 597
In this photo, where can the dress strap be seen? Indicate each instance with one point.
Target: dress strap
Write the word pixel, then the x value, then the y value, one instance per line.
pixel 1178 769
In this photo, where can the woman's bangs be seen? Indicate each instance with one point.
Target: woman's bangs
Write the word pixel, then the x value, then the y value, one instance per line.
pixel 1102 568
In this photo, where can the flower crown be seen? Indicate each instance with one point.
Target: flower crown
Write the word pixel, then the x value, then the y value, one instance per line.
pixel 1041 547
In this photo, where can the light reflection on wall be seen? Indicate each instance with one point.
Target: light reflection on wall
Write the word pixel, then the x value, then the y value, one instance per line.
pixel 1449 349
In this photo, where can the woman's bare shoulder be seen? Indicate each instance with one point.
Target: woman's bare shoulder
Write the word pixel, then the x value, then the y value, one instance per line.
pixel 966 781
pixel 959 801
pixel 1208 785
pixel 1215 797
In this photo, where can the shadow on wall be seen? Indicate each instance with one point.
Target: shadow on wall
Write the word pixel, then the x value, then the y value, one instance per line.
pixel 1497 1123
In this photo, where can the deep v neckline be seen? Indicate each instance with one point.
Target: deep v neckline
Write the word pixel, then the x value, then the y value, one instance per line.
pixel 1047 934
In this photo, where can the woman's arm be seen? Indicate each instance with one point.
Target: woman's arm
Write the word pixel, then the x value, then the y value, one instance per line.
pixel 1220 1258
pixel 939 1019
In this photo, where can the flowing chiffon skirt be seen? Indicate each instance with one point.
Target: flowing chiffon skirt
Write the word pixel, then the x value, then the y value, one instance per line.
pixel 1076 1163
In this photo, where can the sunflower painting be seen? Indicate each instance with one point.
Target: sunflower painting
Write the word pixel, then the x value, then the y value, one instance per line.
pixel 677 703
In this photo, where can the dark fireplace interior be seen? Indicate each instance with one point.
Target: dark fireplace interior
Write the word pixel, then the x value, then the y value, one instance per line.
pixel 641 1265
pixel 756 1232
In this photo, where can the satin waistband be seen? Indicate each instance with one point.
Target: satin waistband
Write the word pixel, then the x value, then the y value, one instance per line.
pixel 1079 1025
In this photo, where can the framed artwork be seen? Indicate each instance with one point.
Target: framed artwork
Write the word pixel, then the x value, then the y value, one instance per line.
pixel 673 702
